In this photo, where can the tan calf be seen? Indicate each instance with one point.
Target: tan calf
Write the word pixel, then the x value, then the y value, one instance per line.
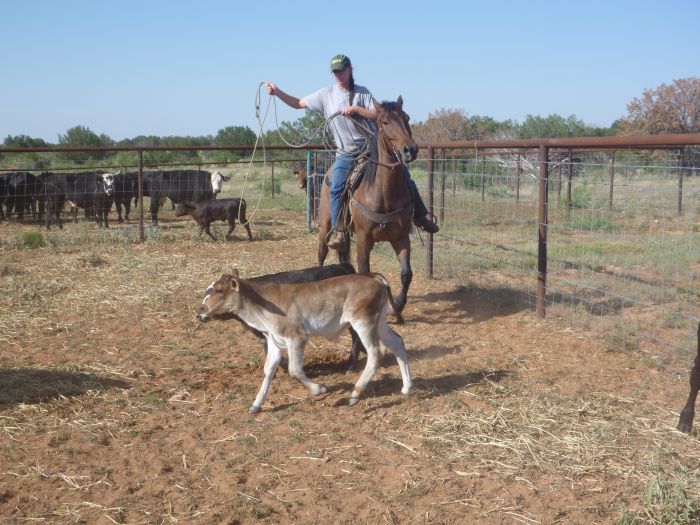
pixel 288 314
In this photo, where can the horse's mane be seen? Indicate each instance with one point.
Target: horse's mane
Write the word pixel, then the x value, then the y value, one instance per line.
pixel 389 105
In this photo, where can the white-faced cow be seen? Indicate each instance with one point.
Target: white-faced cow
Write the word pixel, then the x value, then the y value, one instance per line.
pixel 91 191
pixel 288 314
pixel 180 186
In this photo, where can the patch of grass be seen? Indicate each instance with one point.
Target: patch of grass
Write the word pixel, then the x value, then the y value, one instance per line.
pixel 93 259
pixel 664 501
pixel 33 240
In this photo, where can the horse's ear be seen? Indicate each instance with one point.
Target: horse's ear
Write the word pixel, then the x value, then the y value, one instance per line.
pixel 399 102
pixel 377 106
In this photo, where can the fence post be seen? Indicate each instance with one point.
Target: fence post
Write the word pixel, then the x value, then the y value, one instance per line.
pixel 569 202
pixel 518 172
pixel 543 155
pixel 429 251
pixel 454 174
pixel 559 178
pixel 309 191
pixel 612 180
pixel 442 188
pixel 139 179
pixel 483 176
pixel 681 168
pixel 272 177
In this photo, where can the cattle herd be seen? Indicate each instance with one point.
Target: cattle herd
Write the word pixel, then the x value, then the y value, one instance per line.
pixel 45 195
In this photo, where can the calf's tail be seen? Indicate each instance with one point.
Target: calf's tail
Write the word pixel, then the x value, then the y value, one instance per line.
pixel 382 280
pixel 241 212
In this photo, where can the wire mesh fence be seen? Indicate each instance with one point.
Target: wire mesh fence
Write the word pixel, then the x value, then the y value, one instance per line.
pixel 623 252
pixel 622 226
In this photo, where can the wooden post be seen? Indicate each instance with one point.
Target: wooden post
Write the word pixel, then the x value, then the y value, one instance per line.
pixel 543 156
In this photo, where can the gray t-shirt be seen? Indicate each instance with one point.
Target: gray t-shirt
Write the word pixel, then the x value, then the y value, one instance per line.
pixel 330 100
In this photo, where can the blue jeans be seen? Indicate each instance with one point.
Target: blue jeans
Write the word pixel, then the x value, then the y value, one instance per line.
pixel 341 170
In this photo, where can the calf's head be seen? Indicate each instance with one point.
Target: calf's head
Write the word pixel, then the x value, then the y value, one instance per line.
pixel 222 297
pixel 301 178
pixel 184 208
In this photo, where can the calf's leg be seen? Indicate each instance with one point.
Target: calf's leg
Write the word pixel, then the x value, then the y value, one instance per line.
pixel 296 367
pixel 369 338
pixel 393 342
pixel 274 354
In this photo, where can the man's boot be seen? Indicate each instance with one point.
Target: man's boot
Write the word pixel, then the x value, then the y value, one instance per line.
pixel 338 241
pixel 426 224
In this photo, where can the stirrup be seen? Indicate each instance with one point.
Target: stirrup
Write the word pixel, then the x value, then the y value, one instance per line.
pixel 427 225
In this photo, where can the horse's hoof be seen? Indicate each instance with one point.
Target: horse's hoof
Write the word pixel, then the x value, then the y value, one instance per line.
pixel 253 410
pixel 353 401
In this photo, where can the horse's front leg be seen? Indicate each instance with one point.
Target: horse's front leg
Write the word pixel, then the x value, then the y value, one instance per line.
pixel 364 245
pixel 402 248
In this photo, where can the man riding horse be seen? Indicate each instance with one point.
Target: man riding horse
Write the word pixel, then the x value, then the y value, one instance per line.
pixel 351 135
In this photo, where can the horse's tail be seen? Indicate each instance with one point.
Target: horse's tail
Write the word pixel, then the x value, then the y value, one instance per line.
pixel 382 280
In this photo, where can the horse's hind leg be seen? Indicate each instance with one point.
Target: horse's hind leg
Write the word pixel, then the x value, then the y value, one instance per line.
pixel 685 423
pixel 402 247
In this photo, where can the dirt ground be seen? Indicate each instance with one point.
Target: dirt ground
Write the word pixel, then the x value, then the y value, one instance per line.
pixel 117 406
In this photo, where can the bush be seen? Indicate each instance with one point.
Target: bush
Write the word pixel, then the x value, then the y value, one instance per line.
pixel 33 239
pixel 266 186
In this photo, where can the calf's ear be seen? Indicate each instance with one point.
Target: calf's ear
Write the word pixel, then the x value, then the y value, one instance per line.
pixel 233 282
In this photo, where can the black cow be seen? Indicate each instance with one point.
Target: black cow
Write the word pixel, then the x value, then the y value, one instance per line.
pixel 91 191
pixel 54 196
pixel 178 186
pixel 125 189
pixel 3 194
pixel 22 191
pixel 216 210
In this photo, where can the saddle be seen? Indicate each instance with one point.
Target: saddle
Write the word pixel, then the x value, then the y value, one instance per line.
pixel 362 169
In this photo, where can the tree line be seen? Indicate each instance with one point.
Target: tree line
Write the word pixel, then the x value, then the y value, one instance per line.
pixel 669 108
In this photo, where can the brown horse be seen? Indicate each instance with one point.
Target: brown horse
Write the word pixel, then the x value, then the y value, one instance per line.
pixel 381 206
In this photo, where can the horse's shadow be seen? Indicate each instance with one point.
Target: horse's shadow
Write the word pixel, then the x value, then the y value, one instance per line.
pixel 471 305
pixel 36 385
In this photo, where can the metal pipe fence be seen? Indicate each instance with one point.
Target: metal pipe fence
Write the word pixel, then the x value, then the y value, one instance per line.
pixel 603 232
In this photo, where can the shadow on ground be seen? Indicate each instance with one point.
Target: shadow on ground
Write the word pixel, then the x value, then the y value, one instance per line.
pixel 35 385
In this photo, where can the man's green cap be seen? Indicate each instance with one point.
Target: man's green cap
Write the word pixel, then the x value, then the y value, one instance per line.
pixel 339 62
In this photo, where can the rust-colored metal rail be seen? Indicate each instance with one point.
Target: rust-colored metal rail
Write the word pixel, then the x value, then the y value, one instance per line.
pixel 542 145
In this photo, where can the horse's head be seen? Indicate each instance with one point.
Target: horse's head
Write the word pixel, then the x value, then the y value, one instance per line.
pixel 394 131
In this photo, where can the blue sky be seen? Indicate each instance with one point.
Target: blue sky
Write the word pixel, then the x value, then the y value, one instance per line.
pixel 145 67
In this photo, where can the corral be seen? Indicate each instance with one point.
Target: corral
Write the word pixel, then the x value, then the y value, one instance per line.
pixel 118 406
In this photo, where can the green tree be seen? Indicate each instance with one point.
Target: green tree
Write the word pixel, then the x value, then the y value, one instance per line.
pixel 82 136
pixel 235 136
pixel 23 141
pixel 552 126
